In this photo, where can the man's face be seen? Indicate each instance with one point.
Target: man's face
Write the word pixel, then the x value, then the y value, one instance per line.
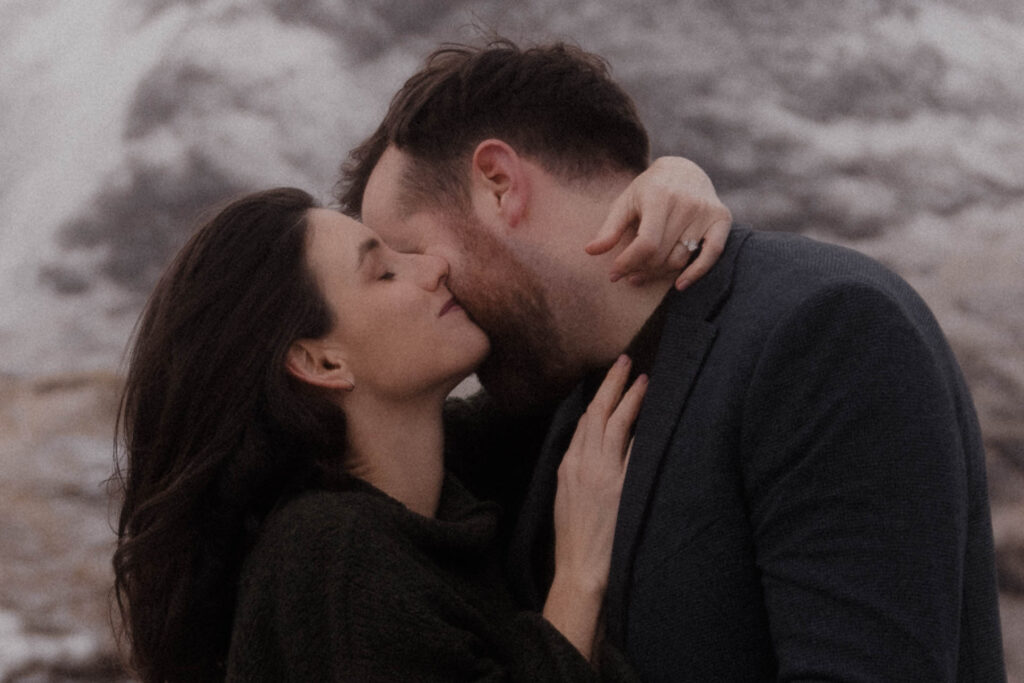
pixel 527 366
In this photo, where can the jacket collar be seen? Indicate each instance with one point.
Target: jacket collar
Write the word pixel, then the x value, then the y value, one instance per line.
pixel 687 336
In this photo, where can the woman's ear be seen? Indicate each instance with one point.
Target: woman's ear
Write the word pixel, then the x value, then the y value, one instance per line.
pixel 499 184
pixel 319 364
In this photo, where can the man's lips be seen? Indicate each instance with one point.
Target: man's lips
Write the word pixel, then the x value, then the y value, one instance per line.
pixel 449 305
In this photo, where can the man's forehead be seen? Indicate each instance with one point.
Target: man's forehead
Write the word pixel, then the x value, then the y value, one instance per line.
pixel 383 187
pixel 391 210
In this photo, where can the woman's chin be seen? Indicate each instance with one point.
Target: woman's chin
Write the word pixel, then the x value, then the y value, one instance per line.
pixel 473 360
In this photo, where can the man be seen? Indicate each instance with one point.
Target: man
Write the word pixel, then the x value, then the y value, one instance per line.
pixel 806 495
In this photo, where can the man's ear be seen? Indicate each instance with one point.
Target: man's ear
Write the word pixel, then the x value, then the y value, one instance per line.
pixel 499 186
pixel 319 364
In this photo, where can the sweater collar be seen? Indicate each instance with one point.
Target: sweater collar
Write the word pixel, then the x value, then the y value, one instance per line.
pixel 463 524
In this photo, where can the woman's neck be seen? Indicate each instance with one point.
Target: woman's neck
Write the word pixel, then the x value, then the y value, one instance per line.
pixel 398 447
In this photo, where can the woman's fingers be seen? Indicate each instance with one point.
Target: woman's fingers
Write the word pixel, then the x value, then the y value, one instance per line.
pixel 654 238
pixel 621 420
pixel 674 209
pixel 621 216
pixel 611 415
pixel 678 257
pixel 603 404
pixel 607 396
pixel 712 244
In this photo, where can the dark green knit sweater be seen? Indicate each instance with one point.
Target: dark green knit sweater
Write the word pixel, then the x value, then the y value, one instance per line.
pixel 350 585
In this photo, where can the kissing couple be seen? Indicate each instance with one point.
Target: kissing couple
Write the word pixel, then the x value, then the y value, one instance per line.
pixel 701 452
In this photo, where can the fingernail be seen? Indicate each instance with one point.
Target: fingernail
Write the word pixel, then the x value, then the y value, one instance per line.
pixel 642 380
pixel 682 284
pixel 616 276
pixel 636 280
pixel 623 361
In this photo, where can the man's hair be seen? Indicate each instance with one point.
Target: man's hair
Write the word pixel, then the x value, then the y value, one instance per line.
pixel 554 103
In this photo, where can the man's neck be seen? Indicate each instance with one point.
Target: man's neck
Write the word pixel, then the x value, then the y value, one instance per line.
pixel 598 318
pixel 626 308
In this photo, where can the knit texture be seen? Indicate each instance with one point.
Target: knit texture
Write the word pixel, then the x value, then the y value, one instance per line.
pixel 350 585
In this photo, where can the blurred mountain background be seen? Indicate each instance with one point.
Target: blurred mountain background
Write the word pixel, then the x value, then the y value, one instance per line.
pixel 892 127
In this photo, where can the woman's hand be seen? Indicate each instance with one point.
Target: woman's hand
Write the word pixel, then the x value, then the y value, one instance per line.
pixel 678 210
pixel 586 506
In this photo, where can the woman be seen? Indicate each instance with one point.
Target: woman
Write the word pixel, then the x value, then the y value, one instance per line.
pixel 286 515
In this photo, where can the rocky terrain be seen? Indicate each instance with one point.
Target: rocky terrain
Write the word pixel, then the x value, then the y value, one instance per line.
pixel 55 575
pixel 892 127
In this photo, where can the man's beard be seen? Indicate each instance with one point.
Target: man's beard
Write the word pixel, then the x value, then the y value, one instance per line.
pixel 528 369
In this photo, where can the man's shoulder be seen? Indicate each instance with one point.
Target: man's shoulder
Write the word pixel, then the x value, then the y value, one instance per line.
pixel 807 260
pixel 768 279
pixel 777 271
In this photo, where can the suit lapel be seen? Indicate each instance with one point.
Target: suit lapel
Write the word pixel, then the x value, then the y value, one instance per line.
pixel 685 341
pixel 670 385
pixel 531 551
pixel 686 338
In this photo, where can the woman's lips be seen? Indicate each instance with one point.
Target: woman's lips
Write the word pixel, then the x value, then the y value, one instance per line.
pixel 449 305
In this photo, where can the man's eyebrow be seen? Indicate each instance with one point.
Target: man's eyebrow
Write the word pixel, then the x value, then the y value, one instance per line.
pixel 365 248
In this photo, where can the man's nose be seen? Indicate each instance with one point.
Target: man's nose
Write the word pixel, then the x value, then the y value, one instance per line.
pixel 433 271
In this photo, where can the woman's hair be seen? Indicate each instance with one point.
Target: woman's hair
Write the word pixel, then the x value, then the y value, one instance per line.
pixel 213 430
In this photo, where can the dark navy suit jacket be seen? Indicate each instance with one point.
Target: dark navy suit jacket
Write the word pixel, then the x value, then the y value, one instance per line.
pixel 806 497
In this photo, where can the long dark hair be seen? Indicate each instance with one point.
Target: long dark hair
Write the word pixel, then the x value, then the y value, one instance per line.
pixel 213 430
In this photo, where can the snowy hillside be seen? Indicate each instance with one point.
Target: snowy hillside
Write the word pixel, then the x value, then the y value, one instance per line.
pixel 893 127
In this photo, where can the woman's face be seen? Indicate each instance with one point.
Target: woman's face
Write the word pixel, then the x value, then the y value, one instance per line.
pixel 397 327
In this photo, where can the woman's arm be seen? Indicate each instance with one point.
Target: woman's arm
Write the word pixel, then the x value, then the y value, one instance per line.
pixel 586 506
pixel 679 222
